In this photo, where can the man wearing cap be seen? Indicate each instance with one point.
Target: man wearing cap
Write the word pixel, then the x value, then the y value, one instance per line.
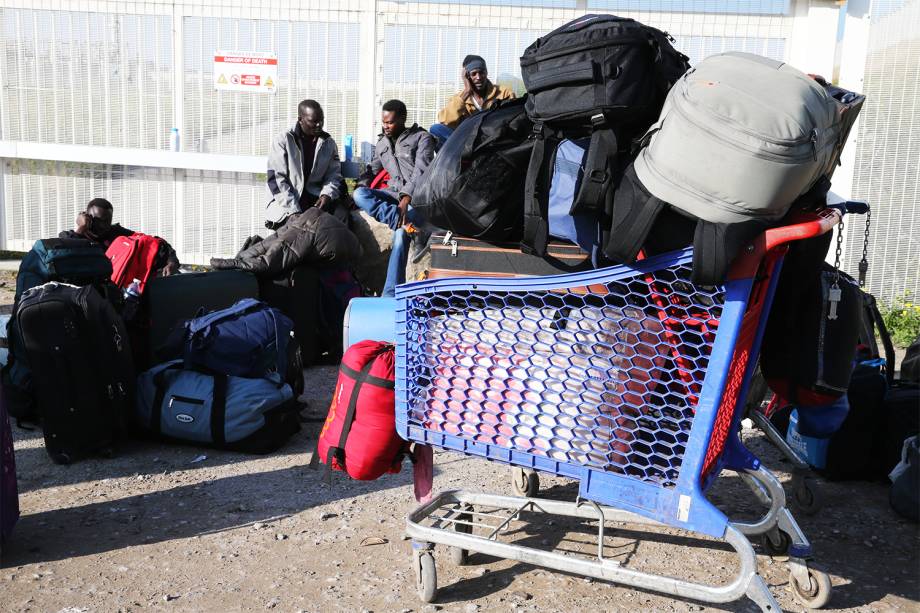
pixel 479 94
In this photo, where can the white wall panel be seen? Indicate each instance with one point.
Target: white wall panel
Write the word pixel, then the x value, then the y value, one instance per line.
pixel 887 167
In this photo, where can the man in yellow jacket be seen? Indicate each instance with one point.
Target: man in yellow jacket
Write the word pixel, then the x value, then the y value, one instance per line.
pixel 479 94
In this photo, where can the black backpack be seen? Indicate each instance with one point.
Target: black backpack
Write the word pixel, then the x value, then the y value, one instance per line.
pixel 808 351
pixel 600 76
pixel 474 187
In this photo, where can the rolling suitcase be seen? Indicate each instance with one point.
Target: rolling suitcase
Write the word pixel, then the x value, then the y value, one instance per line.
pixel 9 492
pixel 456 256
pixel 170 301
pixel 82 370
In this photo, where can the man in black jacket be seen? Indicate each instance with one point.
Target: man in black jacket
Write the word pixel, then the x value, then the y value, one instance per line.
pixel 95 224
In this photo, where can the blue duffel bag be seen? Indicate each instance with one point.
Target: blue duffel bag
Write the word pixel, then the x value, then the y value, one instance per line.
pixel 248 339
pixel 236 413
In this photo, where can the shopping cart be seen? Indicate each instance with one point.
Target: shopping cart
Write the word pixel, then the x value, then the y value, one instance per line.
pixel 628 379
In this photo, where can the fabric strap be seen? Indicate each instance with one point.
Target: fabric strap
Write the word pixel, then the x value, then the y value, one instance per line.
pixel 219 410
pixel 632 221
pixel 598 175
pixel 536 194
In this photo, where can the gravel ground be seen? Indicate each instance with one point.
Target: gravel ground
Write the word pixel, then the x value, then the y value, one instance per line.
pixel 153 528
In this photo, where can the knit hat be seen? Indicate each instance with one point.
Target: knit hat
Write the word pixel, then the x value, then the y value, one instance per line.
pixel 473 62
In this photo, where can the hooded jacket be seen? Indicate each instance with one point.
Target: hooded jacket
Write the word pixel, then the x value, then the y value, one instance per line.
pixel 311 237
pixel 285 173
pixel 459 108
pixel 406 160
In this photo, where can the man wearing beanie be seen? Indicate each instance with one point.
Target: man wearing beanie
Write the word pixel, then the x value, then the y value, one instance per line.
pixel 478 94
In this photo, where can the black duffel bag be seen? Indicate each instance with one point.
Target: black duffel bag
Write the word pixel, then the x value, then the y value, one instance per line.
pixel 475 186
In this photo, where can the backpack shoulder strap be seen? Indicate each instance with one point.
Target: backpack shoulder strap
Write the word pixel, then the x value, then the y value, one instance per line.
pixel 598 175
pixel 536 216
pixel 873 320
pixel 710 256
pixel 634 214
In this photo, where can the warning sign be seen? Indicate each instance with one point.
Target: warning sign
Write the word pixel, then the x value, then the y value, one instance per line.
pixel 249 72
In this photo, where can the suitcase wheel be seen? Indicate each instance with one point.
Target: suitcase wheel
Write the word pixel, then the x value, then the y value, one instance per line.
pixel 60 458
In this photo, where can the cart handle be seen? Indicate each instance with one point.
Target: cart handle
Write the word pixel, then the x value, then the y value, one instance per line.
pixel 803 225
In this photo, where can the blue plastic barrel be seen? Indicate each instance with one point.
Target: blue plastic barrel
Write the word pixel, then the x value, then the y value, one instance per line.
pixel 810 449
pixel 369 319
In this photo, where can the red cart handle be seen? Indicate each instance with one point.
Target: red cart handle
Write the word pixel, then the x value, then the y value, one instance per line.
pixel 803 225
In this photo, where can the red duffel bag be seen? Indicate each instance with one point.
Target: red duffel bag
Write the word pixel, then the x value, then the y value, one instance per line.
pixel 359 434
pixel 133 257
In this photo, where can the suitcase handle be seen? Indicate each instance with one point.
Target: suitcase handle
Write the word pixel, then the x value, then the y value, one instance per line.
pixel 584 22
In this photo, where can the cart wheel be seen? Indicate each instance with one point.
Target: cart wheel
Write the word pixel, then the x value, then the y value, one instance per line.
pixel 817 594
pixel 807 497
pixel 777 548
pixel 458 555
pixel 426 576
pixel 525 482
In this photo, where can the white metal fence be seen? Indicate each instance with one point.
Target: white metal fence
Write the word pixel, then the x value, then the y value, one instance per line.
pixel 91 89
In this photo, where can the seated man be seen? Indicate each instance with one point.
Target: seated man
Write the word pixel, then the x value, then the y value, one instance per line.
pixel 303 168
pixel 404 153
pixel 479 94
pixel 95 224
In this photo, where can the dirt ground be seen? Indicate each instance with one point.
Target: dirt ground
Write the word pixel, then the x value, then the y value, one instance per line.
pixel 159 528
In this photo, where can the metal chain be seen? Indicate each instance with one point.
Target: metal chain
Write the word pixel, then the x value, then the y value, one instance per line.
pixel 838 253
pixel 864 262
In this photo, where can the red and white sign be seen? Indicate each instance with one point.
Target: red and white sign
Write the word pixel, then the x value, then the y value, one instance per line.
pixel 245 72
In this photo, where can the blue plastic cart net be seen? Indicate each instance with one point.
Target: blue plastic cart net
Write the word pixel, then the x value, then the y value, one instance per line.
pixel 605 376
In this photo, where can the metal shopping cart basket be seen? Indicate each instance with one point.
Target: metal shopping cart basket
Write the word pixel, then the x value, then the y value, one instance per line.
pixel 628 379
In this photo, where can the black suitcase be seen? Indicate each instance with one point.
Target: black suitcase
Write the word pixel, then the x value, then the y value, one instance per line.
pixel 456 256
pixel 297 295
pixel 82 370
pixel 169 301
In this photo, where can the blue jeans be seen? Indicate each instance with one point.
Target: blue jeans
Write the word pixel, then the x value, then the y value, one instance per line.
pixel 383 206
pixel 441 133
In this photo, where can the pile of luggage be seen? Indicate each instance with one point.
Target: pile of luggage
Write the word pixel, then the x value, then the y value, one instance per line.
pixel 621 150
pixel 102 348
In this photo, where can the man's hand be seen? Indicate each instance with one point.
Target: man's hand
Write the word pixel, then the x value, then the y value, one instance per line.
pixel 322 202
pixel 83 223
pixel 170 269
pixel 467 85
pixel 403 207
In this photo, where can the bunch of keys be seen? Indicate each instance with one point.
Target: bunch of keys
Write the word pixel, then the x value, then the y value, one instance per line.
pixel 833 296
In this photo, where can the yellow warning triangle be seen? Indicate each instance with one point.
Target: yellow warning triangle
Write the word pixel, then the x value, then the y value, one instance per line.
pixel 222 80
pixel 269 82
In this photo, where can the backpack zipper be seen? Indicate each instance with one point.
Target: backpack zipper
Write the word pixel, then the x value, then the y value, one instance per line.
pixel 708 198
pixel 185 399
pixel 568 49
pixel 733 142
pixel 782 142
